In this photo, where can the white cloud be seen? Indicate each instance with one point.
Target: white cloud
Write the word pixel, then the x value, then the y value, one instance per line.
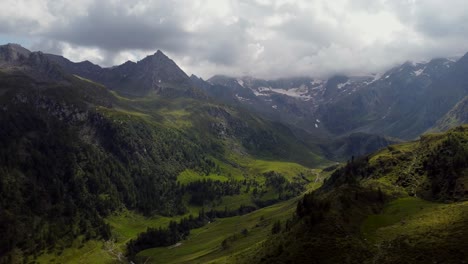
pixel 266 38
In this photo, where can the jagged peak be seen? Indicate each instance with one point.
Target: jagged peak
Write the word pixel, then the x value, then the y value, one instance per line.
pixel 159 52
pixel 160 55
pixel 129 62
pixel 193 76
pixel 13 45
pixel 87 62
pixel 16 49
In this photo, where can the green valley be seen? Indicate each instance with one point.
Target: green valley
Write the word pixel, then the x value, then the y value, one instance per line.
pixel 404 204
pixel 140 163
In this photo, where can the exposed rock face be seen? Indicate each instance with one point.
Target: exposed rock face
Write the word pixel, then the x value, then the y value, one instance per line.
pixel 156 73
pixel 403 102
pixel 13 58
pixel 12 54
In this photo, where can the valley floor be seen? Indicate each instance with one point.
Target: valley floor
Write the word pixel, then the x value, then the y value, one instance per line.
pixel 241 234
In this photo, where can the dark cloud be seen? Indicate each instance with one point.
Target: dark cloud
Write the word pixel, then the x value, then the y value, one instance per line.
pixel 112 27
pixel 267 38
pixel 8 26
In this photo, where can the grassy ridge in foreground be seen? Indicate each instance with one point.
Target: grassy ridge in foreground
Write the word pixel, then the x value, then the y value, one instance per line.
pixel 407 203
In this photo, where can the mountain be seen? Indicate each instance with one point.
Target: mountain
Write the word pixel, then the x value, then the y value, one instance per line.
pixel 74 153
pixel 116 162
pixel 156 73
pixel 11 53
pixel 292 101
pixel 404 103
pixel 407 203
pixel 356 144
pixel 14 58
pixel 457 116
pixel 386 105
pixel 401 103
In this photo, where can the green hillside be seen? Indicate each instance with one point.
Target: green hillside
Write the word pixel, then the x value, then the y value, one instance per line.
pixel 73 153
pixel 407 203
pixel 458 115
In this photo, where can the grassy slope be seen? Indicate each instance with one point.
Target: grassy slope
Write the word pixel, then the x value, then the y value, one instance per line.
pixel 458 115
pixel 188 116
pixel 359 228
pixel 127 225
pixel 204 244
pixel 413 217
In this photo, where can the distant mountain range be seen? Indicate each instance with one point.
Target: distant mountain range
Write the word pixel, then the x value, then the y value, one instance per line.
pixel 402 102
pixel 153 74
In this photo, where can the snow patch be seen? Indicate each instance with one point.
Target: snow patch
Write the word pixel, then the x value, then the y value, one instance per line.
pixel 262 91
pixel 274 106
pixel 320 87
pixel 240 82
pixel 376 77
pixel 316 125
pixel 419 72
pixel 318 121
pixel 257 93
pixel 316 82
pixel 241 98
pixel 341 85
pixel 300 92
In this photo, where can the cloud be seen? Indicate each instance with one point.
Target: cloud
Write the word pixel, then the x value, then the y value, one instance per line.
pixel 265 38
pixel 114 26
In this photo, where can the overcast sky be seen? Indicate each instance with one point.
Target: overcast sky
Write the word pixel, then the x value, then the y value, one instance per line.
pixel 264 38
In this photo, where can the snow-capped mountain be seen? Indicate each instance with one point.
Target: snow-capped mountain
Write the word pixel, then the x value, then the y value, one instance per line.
pixel 385 103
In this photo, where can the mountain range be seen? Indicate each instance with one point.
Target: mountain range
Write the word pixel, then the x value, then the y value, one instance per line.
pixel 403 102
pixel 82 145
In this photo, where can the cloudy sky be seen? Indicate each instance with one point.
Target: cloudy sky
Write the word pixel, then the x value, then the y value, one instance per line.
pixel 264 38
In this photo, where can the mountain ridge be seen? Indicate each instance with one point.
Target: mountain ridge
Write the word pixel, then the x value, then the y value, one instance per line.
pixel 386 207
pixel 391 104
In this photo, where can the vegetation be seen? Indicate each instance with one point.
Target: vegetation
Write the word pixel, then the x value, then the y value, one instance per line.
pixel 223 240
pixel 72 154
pixel 85 171
pixel 369 212
pixel 165 236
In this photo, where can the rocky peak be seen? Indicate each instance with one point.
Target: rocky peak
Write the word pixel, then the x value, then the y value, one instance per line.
pixel 194 77
pixel 160 54
pixel 162 67
pixel 157 59
pixel 438 67
pixel 13 53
